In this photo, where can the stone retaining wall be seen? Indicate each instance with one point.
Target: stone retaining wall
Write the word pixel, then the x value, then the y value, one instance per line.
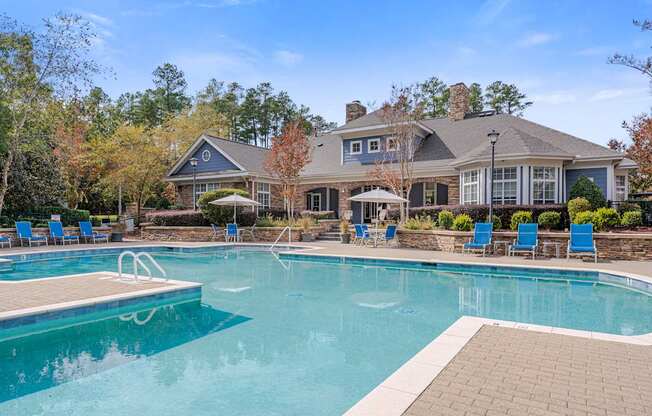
pixel 263 234
pixel 11 232
pixel 611 246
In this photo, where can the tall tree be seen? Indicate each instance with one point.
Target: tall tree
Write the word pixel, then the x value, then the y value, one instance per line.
pixel 476 102
pixel 643 65
pixel 506 98
pixel 32 67
pixel 640 150
pixel 434 95
pixel 170 83
pixel 401 113
pixel 289 154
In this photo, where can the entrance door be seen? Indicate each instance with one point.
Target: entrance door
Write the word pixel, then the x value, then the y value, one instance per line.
pixel 314 200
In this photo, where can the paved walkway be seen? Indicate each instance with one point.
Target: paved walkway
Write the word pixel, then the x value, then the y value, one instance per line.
pixel 505 371
pixel 45 292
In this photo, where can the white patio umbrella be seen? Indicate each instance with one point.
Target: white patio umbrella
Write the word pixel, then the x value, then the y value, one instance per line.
pixel 235 200
pixel 379 196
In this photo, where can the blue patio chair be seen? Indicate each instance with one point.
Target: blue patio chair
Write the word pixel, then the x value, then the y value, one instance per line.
pixel 581 241
pixel 361 234
pixel 481 238
pixel 231 233
pixel 57 233
pixel 24 233
pixel 86 233
pixel 390 234
pixel 527 240
pixel 5 241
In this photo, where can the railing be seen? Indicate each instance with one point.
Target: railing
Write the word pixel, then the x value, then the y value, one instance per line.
pixel 138 262
pixel 289 230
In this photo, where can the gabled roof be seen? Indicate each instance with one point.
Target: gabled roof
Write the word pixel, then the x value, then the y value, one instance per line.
pixel 249 159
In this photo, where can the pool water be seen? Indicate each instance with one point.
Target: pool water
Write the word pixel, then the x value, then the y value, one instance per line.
pixel 270 336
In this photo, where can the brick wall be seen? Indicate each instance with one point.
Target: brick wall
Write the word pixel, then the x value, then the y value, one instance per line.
pixel 266 234
pixel 611 246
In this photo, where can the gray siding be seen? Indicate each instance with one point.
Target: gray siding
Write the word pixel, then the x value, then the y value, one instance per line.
pixel 365 157
pixel 217 162
pixel 599 176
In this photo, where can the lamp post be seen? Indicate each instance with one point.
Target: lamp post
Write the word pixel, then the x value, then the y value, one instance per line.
pixel 493 138
pixel 193 163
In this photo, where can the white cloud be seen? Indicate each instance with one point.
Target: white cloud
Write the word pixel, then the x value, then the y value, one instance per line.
pixel 555 98
pixel 490 10
pixel 97 19
pixel 536 39
pixel 287 58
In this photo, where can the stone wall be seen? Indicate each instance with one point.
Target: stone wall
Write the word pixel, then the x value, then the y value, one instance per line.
pixel 611 246
pixel 263 234
pixel 11 232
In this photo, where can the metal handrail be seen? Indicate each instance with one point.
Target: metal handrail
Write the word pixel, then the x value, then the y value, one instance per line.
pixel 137 262
pixel 289 229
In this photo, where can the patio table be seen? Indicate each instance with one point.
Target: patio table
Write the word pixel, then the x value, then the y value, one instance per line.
pixel 555 244
pixel 504 243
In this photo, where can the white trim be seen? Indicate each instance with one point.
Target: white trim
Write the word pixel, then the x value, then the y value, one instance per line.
pixel 203 138
pixel 204 156
pixel 369 141
pixel 351 143
pixel 611 183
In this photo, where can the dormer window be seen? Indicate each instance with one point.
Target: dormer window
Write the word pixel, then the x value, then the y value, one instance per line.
pixel 391 144
pixel 373 146
pixel 356 147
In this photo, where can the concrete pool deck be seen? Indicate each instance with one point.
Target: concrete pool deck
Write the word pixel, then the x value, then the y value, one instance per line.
pixel 487 367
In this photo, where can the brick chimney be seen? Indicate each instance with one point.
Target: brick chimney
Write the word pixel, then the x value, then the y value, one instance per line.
pixel 355 110
pixel 458 102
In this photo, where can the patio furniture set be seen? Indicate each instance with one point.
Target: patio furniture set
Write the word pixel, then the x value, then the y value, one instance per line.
pixel 57 234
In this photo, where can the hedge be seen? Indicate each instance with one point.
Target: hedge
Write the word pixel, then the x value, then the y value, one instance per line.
pixel 479 213
pixel 177 218
pixel 40 216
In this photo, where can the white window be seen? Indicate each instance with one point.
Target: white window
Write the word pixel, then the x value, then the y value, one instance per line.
pixel 206 155
pixel 621 187
pixel 391 144
pixel 471 187
pixel 429 193
pixel 356 147
pixel 202 188
pixel 373 145
pixel 544 185
pixel 263 195
pixel 504 186
pixel 314 201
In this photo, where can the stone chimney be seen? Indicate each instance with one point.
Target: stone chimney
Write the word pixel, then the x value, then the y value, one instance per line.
pixel 355 110
pixel 458 102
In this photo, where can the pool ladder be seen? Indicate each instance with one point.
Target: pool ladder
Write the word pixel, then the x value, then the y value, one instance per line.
pixel 138 262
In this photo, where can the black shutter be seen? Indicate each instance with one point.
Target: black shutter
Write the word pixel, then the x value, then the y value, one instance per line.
pixel 442 194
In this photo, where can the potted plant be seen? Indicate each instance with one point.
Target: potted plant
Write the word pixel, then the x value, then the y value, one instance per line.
pixel 117 231
pixel 345 235
pixel 306 223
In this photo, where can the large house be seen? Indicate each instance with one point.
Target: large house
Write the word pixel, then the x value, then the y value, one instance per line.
pixel 534 164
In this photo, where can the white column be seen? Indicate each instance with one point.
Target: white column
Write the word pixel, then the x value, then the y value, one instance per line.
pixel 611 182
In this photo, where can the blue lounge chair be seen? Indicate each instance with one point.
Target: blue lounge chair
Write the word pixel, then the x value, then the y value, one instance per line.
pixel 24 233
pixel 232 233
pixel 86 233
pixel 581 241
pixel 57 233
pixel 217 232
pixel 5 241
pixel 390 234
pixel 361 234
pixel 527 240
pixel 481 238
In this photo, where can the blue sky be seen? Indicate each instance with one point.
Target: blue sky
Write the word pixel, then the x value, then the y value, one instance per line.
pixel 326 53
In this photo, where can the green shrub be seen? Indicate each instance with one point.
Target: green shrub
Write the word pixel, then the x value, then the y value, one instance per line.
pixel 584 217
pixel 463 222
pixel 576 205
pixel 268 220
pixel 445 219
pixel 497 222
pixel 215 214
pixel 605 218
pixel 419 223
pixel 628 206
pixel 520 217
pixel 632 219
pixel 174 218
pixel 549 220
pixel 585 188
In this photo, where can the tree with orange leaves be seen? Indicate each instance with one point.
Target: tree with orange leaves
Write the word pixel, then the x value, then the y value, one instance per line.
pixel 289 154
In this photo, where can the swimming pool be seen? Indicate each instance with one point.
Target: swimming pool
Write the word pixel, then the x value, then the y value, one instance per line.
pixel 290 336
